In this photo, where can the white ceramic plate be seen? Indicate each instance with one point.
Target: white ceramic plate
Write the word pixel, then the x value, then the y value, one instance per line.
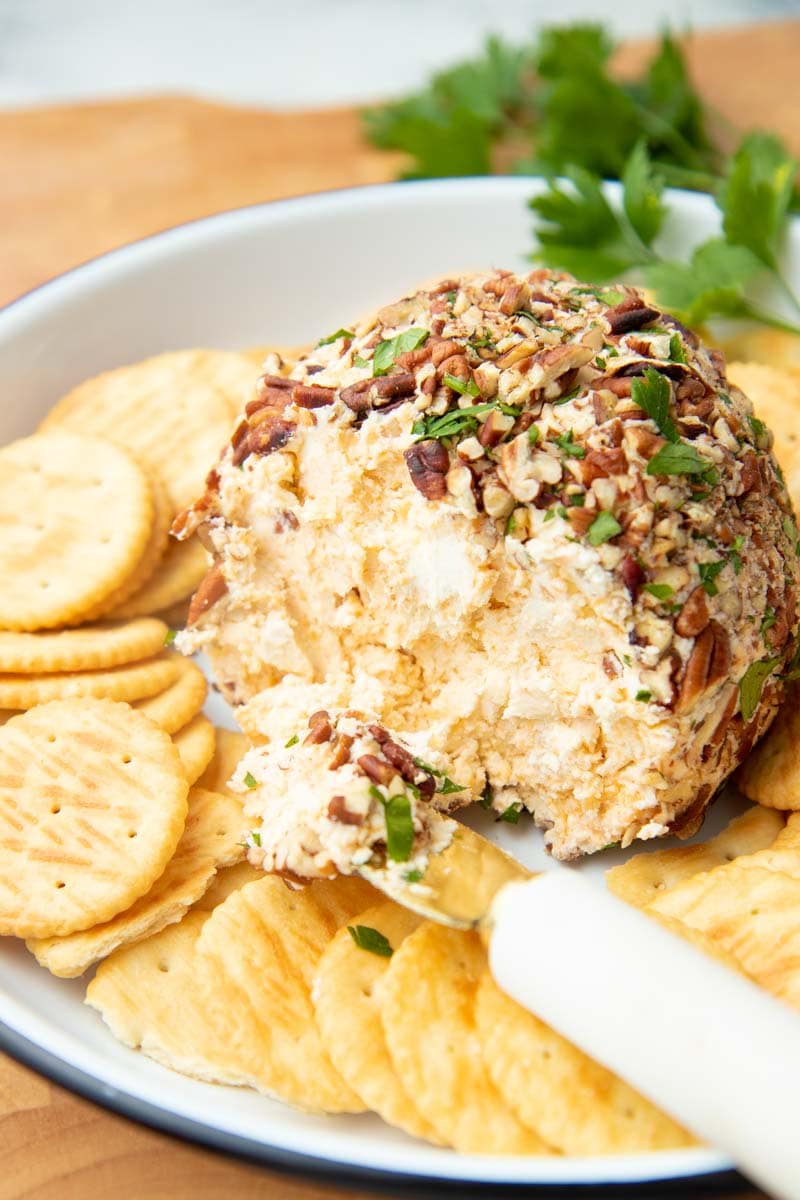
pixel 285 272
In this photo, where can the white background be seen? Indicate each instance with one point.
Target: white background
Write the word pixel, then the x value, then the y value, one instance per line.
pixel 291 53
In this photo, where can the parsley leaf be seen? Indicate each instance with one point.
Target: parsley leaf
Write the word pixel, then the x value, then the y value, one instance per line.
pixel 652 393
pixel 169 636
pixel 466 387
pixel 568 446
pixel 334 337
pixel 358 361
pixel 677 459
pixel 604 527
pixel 644 696
pixel 413 876
pixel 250 781
pixel 457 420
pixel 642 192
pixel 756 195
pixel 447 786
pixel 661 591
pixel 255 837
pixel 708 572
pixel 512 814
pixel 399 825
pixel 387 351
pixel 367 938
pixel 487 797
pixel 710 285
pixel 676 350
pixel 751 685
pixel 292 742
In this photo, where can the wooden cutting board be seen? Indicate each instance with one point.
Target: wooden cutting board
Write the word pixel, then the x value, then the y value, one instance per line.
pixel 78 180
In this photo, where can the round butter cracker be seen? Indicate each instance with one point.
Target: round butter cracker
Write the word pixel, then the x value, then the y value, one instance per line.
pixel 88 648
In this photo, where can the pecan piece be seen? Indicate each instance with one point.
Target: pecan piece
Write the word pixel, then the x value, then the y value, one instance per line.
pixel 630 314
pixel 428 463
pixel 211 588
pixel 341 751
pixel 379 733
pixel 320 728
pixel 377 769
pixel 443 349
pixel 311 395
pixel 356 397
pixel 693 617
pixel 751 480
pixel 721 658
pixel 268 437
pixel 393 387
pixel 632 575
pixel 400 759
pixel 695 676
pixel 580 519
pixel 599 464
pixel 338 811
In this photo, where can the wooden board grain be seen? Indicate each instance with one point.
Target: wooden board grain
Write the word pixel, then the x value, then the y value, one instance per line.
pixel 76 181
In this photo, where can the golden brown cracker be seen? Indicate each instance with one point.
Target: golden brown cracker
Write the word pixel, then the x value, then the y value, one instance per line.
pixel 147 995
pixel 227 881
pixel 775 392
pixel 213 836
pixel 231 747
pixel 427 999
pixel 177 575
pixel 173 412
pixel 349 1020
pixel 256 958
pixel 75 512
pixel 92 804
pixel 771 773
pixel 175 706
pixel 642 878
pixel 132 681
pixel 89 648
pixel 574 1103
pixel 195 744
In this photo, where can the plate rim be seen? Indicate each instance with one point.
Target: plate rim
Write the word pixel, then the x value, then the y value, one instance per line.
pixel 239 1146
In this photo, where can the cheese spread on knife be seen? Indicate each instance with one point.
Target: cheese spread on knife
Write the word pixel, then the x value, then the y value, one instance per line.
pixel 529 527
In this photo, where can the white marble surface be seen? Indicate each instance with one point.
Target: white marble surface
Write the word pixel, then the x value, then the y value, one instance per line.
pixel 291 53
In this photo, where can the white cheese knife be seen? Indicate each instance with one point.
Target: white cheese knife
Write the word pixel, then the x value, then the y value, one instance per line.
pixel 708 1046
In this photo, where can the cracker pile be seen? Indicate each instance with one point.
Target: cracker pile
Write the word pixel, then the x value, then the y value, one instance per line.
pixel 121 843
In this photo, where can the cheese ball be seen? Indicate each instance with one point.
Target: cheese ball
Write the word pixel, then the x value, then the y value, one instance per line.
pixel 526 518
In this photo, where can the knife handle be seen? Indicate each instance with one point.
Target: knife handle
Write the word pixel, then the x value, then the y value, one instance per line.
pixel 707 1045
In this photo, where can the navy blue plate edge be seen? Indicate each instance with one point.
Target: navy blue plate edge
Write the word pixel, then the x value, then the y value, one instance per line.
pixel 327 1171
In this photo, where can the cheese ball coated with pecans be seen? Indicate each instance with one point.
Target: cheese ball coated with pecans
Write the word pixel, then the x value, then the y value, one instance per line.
pixel 523 516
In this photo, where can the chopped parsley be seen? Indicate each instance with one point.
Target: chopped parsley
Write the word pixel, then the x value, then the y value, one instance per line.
pixel 169 636
pixel 758 427
pixel 387 351
pixel 769 620
pixel 358 361
pixel 568 446
pixel 399 825
pixel 734 557
pixel 292 742
pixel 708 573
pixel 604 527
pixel 457 421
pixel 484 342
pixel 255 837
pixel 512 813
pixel 533 434
pixel 447 786
pixel 251 782
pixel 676 350
pixel 576 500
pixel 751 685
pixel 487 797
pixel 464 387
pixel 334 337
pixel 367 938
pixel 678 458
pixel 661 591
pixel 644 696
pixel 550 515
pixel 413 876
pixel 652 394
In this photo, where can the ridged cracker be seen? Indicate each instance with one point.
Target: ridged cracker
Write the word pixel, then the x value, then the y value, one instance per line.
pixel 132 681
pixel 573 1102
pixel 195 744
pixel 775 392
pixel 184 696
pixel 213 837
pixel 92 804
pixel 349 1020
pixel 75 512
pixel 256 958
pixel 177 575
pixel 227 881
pixel 770 775
pixel 427 999
pixel 231 747
pixel 173 411
pixel 152 555
pixel 643 877
pixel 89 648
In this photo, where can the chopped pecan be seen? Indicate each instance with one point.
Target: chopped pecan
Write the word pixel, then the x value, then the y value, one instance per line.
pixel 721 657
pixel 494 428
pixel 377 769
pixel 695 675
pixel 693 617
pixel 356 396
pixel 410 359
pixel 726 716
pixel 285 520
pixel 379 733
pixel 456 365
pixel 392 387
pixel 320 728
pixel 620 385
pixel 443 349
pixel 338 811
pixel 630 314
pixel 599 464
pixel 750 479
pixel 400 759
pixel 341 751
pixel 428 463
pixel 632 575
pixel 268 437
pixel 580 519
pixel 514 296
pixel 211 588
pixel 311 395
pixel 611 664
pixel 643 441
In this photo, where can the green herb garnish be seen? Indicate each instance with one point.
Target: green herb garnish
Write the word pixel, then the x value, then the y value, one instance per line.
pixel 367 938
pixel 334 337
pixel 768 621
pixel 677 459
pixel 466 387
pixel 169 636
pixel 661 591
pixel 644 696
pixel 291 742
pixel 568 446
pixel 413 876
pixel 358 361
pixel 511 814
pixel 399 825
pixel 604 527
pixel 255 837
pixel 708 572
pixel 751 685
pixel 387 351
pixel 487 797
pixel 250 781
pixel 676 350
pixel 447 785
pixel 652 394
